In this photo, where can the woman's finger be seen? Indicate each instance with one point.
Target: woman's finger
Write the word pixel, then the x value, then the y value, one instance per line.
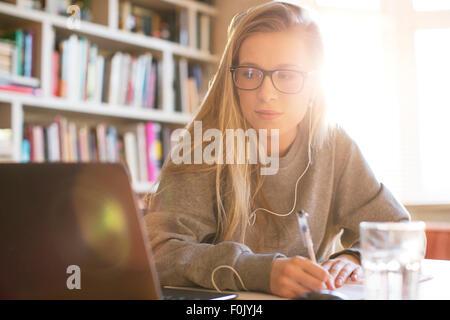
pixel 294 289
pixel 345 272
pixel 336 268
pixel 357 274
pixel 312 283
pixel 327 264
pixel 313 269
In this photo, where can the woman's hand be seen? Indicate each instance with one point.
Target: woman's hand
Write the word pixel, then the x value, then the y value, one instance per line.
pixel 343 267
pixel 292 277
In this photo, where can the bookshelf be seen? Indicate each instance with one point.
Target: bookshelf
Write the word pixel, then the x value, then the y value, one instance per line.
pixel 190 47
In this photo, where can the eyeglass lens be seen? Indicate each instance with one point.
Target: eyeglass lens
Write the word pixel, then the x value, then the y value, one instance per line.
pixel 287 81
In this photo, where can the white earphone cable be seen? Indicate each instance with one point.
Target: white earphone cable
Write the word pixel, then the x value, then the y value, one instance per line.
pixel 252 217
pixel 230 268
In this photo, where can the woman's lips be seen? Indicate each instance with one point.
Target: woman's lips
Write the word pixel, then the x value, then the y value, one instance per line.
pixel 267 114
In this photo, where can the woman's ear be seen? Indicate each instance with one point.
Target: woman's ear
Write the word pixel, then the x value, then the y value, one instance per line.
pixel 312 99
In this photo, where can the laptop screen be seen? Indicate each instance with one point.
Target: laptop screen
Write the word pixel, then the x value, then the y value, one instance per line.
pixel 72 231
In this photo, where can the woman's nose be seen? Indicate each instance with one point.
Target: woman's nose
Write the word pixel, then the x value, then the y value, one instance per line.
pixel 267 91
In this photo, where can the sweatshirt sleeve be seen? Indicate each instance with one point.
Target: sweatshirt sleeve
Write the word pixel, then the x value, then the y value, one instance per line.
pixel 181 224
pixel 359 196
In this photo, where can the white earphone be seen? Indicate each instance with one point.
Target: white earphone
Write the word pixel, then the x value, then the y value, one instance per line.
pixel 252 216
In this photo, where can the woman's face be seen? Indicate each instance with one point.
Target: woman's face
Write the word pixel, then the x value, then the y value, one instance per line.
pixel 266 107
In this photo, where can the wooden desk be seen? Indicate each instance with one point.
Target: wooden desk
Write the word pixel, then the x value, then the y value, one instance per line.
pixel 435 288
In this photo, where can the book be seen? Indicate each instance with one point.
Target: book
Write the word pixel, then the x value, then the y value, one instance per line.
pixel 38 153
pixel 83 69
pixel 142 146
pixel 83 140
pixel 62 91
pixel 55 73
pixel 25 151
pixel 205 27
pixel 154 150
pixel 114 81
pixel 18 57
pixel 5 142
pixel 99 78
pixel 20 89
pixel 131 155
pixel 111 144
pixel 129 95
pixel 93 149
pixel 125 75
pixel 101 142
pixel 7 48
pixel 91 73
pixel 52 132
pixel 73 68
pixel 151 86
pixel 126 20
pixel 63 143
pixel 183 26
pixel 73 143
pixel 28 53
pixel 183 76
pixel 30 4
pixel 193 97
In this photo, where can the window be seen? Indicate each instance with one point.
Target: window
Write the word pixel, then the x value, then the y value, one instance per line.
pixel 387 80
pixel 353 4
pixel 358 90
pixel 431 5
pixel 433 82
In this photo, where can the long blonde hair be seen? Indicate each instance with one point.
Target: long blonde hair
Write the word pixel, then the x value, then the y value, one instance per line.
pixel 220 109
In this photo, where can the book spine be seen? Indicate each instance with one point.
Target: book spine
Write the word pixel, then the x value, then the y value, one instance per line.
pixel 64 69
pixel 152 86
pixel 111 144
pixel 73 83
pixel 99 85
pixel 38 144
pixel 73 138
pixel 115 78
pixel 25 151
pixel 55 72
pixel 142 147
pixel 82 71
pixel 28 63
pixel 18 66
pixel 19 89
pixel 150 141
pixel 183 85
pixel 101 142
pixel 131 155
pixel 91 74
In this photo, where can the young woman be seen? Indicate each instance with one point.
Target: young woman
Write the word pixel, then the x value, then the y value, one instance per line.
pixel 227 226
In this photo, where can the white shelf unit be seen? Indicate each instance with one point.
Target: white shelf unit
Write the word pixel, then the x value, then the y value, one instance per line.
pixel 105 33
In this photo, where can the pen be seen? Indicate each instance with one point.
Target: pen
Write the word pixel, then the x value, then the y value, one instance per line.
pixel 306 235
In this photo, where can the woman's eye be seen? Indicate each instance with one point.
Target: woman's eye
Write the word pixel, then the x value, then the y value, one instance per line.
pixel 285 76
pixel 249 74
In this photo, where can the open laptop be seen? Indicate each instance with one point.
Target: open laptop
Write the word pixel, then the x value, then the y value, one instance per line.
pixel 73 231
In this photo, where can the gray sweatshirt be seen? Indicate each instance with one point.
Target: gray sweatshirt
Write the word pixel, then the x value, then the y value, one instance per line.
pixel 338 191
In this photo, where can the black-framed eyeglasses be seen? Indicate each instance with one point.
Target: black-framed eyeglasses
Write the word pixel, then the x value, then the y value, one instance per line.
pixel 284 80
